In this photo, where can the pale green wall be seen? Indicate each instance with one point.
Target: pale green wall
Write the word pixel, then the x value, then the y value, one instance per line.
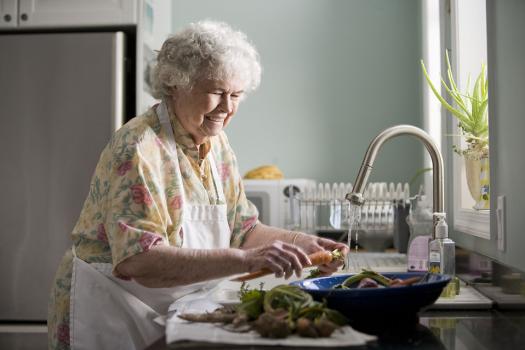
pixel 506 73
pixel 335 73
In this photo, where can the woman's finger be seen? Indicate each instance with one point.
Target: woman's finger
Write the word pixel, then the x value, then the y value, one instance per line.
pixel 331 245
pixel 336 263
pixel 299 255
pixel 343 248
pixel 294 261
pixel 308 243
pixel 327 270
pixel 272 263
pixel 282 259
pixel 294 255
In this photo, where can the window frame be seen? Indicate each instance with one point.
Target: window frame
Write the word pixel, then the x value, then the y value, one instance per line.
pixel 465 220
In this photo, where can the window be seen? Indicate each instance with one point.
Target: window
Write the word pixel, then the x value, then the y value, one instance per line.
pixel 459 26
pixel 468 52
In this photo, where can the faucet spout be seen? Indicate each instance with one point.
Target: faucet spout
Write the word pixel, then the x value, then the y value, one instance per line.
pixel 356 197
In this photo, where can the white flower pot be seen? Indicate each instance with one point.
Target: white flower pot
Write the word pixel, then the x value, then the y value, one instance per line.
pixel 478 180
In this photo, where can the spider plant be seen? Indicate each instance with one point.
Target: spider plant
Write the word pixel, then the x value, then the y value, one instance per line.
pixel 470 109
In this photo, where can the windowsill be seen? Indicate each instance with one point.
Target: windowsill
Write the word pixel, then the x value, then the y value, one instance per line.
pixel 473 222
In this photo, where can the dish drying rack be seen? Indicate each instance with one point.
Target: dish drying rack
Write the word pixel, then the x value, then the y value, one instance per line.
pixel 323 209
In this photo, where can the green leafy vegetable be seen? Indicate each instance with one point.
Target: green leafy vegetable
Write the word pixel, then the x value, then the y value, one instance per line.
pixel 251 302
pixel 314 273
pixel 365 274
pixel 276 313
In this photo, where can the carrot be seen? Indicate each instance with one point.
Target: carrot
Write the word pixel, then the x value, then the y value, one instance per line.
pixel 407 282
pixel 318 258
pixel 321 257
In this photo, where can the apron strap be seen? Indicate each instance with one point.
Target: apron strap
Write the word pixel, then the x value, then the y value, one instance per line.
pixel 217 183
pixel 163 115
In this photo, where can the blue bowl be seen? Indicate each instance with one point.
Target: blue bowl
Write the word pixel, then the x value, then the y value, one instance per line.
pixel 389 302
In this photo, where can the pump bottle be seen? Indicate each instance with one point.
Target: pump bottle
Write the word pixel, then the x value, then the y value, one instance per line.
pixel 442 254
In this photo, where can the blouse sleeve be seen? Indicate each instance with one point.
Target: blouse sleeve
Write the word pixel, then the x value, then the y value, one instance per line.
pixel 245 218
pixel 137 209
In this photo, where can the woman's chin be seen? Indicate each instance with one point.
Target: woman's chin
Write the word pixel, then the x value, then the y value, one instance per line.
pixel 205 133
pixel 212 130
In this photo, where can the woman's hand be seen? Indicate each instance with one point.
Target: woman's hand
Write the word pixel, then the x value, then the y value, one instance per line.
pixel 279 257
pixel 311 244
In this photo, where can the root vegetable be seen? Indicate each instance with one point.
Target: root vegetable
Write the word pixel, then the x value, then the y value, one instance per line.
pixel 407 282
pixel 317 258
pixel 324 327
pixel 367 283
pixel 305 328
pixel 280 312
pixel 217 316
pixel 272 326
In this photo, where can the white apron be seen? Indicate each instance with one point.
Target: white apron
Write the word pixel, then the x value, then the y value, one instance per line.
pixel 110 313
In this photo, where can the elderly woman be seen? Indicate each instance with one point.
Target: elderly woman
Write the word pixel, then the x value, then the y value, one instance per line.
pixel 166 212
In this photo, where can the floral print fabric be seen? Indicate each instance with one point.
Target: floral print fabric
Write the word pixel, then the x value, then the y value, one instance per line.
pixel 135 201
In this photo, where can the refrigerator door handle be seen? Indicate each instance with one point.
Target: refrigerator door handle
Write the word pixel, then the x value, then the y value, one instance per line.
pixel 118 82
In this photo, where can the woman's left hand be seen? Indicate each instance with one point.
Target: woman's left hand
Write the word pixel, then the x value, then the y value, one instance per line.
pixel 311 244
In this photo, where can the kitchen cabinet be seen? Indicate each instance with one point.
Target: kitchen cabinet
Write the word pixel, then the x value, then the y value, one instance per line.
pixel 148 20
pixel 22 14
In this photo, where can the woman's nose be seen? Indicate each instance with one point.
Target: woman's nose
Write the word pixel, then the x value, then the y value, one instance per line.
pixel 226 104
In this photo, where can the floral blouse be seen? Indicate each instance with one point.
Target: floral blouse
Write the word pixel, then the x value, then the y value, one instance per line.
pixel 135 202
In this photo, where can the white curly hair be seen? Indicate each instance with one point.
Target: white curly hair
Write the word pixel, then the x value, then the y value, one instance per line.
pixel 206 49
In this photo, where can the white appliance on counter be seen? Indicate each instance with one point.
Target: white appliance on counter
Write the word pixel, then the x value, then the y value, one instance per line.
pixel 65 89
pixel 272 199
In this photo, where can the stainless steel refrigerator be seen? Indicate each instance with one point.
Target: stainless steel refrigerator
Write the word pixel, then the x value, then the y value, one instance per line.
pixel 61 97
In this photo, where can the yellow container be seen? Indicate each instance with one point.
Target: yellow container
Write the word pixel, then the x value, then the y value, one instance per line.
pixel 452 289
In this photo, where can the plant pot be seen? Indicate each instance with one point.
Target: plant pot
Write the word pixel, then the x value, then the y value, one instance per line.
pixel 478 180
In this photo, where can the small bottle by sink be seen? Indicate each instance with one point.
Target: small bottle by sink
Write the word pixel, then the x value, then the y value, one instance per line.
pixel 442 255
pixel 420 225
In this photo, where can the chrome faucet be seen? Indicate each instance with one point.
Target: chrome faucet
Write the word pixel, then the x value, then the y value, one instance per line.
pixel 356 196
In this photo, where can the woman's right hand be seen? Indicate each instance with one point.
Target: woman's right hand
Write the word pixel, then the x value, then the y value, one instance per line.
pixel 279 257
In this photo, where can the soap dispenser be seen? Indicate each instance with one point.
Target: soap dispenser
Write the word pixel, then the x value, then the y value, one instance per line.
pixel 420 224
pixel 442 254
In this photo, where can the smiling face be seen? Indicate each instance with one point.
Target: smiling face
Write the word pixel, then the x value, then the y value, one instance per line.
pixel 207 108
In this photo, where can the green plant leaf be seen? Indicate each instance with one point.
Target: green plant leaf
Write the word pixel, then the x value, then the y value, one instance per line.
pixel 449 72
pixel 436 93
pixel 471 111
pixel 418 174
pixel 457 98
